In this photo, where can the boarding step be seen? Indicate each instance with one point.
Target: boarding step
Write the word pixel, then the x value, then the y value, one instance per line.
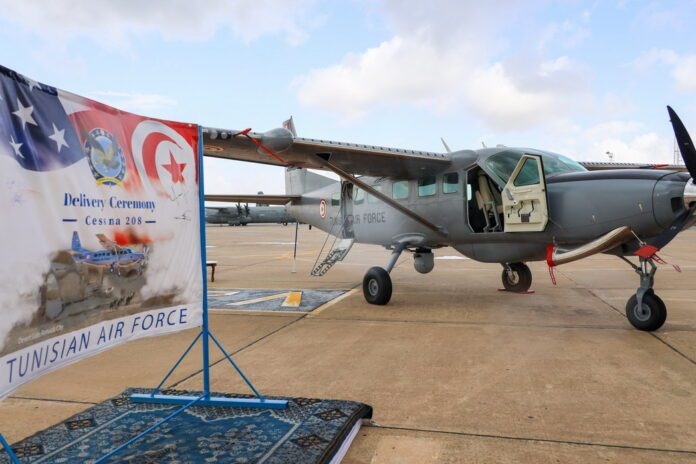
pixel 335 255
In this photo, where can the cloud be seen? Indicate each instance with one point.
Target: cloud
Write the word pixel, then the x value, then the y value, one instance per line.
pixel 398 70
pixel 683 67
pixel 447 56
pixel 684 73
pixel 415 71
pixel 134 102
pixel 568 33
pixel 628 141
pixel 117 23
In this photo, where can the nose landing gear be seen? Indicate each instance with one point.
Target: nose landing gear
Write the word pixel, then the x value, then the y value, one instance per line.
pixel 645 310
pixel 516 277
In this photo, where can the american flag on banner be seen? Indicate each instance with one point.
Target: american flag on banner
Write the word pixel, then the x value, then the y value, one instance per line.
pixel 44 129
pixel 100 234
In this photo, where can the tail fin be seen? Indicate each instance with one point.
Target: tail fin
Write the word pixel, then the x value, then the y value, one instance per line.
pixel 300 180
pixel 76 245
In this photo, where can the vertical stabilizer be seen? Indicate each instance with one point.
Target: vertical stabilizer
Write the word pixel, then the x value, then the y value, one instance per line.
pixel 300 180
pixel 76 245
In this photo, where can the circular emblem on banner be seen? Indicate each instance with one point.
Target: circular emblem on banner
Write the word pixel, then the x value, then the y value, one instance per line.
pixel 322 209
pixel 105 157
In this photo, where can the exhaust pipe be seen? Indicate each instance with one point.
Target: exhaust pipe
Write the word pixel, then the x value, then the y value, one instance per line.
pixel 556 256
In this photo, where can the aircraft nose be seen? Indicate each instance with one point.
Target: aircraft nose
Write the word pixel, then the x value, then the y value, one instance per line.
pixel 671 197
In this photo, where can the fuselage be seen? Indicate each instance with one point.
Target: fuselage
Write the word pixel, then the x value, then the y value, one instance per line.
pixel 582 205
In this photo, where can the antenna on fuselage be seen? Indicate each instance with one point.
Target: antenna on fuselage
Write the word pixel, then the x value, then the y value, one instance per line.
pixel 446 146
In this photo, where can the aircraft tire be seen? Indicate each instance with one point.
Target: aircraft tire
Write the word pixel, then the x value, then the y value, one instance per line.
pixel 651 316
pixel 377 286
pixel 521 279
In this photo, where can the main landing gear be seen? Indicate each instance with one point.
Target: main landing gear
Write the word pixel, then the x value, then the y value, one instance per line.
pixel 517 277
pixel 377 285
pixel 645 310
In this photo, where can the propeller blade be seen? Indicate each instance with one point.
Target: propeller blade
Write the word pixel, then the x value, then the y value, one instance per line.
pixel 686 219
pixel 686 146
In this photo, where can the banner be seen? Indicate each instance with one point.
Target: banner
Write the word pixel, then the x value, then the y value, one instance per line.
pixel 100 239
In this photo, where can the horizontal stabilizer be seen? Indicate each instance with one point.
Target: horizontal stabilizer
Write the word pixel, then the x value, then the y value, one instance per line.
pixel 258 199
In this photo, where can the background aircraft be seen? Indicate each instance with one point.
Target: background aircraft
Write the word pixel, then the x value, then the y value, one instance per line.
pixel 117 259
pixel 245 214
pixel 498 205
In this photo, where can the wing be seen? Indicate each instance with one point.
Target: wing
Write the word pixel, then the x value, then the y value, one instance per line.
pixel 279 147
pixel 258 199
pixel 107 243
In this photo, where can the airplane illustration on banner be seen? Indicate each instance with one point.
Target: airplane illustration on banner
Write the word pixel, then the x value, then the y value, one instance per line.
pixel 496 205
pixel 118 259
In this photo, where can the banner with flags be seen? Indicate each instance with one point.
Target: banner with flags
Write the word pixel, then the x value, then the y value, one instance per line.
pixel 100 239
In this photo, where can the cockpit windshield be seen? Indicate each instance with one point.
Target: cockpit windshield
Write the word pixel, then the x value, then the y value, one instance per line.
pixel 502 164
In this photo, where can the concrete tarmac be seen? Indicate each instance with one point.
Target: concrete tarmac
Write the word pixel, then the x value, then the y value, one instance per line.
pixel 455 370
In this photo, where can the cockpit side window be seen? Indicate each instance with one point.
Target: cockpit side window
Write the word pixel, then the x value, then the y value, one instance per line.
pixel 450 182
pixel 528 175
pixel 503 164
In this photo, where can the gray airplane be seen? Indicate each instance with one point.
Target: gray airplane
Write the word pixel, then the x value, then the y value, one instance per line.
pixel 242 215
pixel 496 205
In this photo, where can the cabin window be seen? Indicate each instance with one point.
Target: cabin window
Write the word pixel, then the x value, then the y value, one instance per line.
pixel 336 199
pixel 359 197
pixel 372 198
pixel 529 174
pixel 400 189
pixel 450 182
pixel 427 186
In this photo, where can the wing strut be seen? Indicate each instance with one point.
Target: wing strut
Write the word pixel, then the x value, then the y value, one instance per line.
pixel 388 200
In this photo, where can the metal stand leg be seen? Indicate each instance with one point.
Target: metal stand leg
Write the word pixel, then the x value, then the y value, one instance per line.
pixel 8 448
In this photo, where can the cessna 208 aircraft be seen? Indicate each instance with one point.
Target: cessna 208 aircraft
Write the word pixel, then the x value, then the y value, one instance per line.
pixel 497 205
pixel 117 259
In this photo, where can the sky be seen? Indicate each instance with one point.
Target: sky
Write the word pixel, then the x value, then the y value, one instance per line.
pixel 581 78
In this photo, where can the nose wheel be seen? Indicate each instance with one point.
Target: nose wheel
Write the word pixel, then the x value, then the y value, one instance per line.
pixel 516 277
pixel 649 315
pixel 645 310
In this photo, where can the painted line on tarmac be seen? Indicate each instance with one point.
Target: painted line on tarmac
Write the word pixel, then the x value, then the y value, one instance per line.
pixel 533 439
pixel 329 304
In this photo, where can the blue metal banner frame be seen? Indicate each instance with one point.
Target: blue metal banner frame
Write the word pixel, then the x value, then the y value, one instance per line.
pixel 10 453
pixel 205 335
pixel 205 399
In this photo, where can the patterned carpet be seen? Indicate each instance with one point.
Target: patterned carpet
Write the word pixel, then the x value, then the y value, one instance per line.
pixel 308 431
pixel 270 300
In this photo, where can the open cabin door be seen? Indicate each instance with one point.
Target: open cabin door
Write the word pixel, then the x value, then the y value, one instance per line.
pixel 347 190
pixel 525 208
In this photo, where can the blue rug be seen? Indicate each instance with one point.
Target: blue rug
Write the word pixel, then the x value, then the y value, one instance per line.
pixel 308 431
pixel 270 300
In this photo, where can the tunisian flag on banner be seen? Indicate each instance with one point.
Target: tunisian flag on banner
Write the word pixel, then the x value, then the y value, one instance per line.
pixel 100 239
